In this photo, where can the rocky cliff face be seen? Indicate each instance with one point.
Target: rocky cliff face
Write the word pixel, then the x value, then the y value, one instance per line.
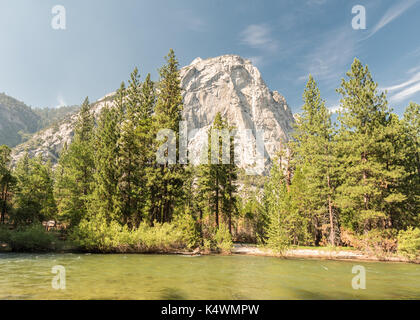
pixel 227 84
pixel 234 87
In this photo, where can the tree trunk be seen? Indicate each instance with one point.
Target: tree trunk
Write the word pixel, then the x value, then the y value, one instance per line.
pixel 4 200
pixel 288 175
pixel 230 223
pixel 330 211
pixel 217 201
pixel 365 196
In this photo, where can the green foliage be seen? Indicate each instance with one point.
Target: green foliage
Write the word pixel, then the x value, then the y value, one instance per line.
pixel 98 235
pixel 314 152
pixel 252 220
pixel 104 197
pixel 4 234
pixel 370 172
pixel 223 239
pixel 52 116
pixel 363 177
pixel 277 203
pixel 410 159
pixel 32 238
pixel 409 243
pixel 355 183
pixel 168 179
pixel 217 178
pixel 33 194
pixel 74 175
pixel 6 181
pixel 187 226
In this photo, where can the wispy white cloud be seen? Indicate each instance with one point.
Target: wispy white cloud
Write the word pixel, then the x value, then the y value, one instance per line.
pixel 391 14
pixel 191 20
pixel 410 87
pixel 333 55
pixel 413 79
pixel 405 94
pixel 61 101
pixel 413 70
pixel 335 108
pixel 415 53
pixel 258 36
pixel 257 61
pixel 315 2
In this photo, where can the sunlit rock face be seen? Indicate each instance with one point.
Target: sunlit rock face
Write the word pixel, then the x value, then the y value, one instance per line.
pixel 227 84
pixel 232 86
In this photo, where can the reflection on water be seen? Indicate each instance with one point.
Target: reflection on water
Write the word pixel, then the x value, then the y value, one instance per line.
pixel 89 276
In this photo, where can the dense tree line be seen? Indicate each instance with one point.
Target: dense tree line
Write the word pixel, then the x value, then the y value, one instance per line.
pixel 359 176
pixel 109 174
pixel 335 184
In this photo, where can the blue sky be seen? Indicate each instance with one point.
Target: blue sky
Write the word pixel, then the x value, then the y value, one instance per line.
pixel 105 39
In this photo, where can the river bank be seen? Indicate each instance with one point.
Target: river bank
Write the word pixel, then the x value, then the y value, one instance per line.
pixel 317 253
pixel 254 250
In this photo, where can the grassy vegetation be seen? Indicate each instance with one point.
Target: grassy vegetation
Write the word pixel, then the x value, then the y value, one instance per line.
pixel 32 238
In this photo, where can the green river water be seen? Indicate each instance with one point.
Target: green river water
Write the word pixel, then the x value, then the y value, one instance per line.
pixel 90 276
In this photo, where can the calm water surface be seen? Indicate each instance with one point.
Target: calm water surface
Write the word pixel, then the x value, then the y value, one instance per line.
pixel 89 276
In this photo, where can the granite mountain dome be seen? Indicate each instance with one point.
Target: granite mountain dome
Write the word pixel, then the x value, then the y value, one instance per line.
pixel 234 87
pixel 227 84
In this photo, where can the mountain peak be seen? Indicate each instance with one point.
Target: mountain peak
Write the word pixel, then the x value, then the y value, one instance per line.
pixel 233 86
pixel 228 84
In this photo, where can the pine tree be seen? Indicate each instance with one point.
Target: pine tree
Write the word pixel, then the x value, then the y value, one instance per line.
pixel 277 206
pixel 75 170
pixel 392 156
pixel 363 139
pixel 287 207
pixel 168 178
pixel 411 124
pixel 6 180
pixel 410 159
pixel 145 137
pixel 105 198
pixel 130 168
pixel 217 181
pixel 229 183
pixel 315 152
pixel 301 221
pixel 33 194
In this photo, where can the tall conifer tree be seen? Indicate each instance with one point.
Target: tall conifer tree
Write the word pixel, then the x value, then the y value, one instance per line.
pixel 315 151
pixel 364 139
pixel 169 177
pixel 6 181
pixel 74 175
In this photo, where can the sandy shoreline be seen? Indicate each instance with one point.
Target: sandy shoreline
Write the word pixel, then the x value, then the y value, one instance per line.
pixel 253 250
pixel 246 249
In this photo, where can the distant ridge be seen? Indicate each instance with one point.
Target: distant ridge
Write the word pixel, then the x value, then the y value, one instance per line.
pixel 19 121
